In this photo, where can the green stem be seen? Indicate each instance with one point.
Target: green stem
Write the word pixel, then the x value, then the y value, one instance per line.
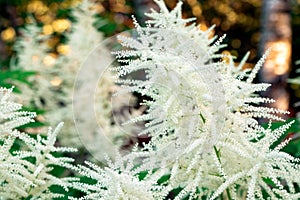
pixel 218 154
pixel 228 194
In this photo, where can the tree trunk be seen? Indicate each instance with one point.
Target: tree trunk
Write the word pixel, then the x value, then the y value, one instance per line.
pixel 276 36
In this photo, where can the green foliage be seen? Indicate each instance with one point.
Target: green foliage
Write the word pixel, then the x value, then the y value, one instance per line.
pixel 293 148
pixel 108 27
pixel 10 78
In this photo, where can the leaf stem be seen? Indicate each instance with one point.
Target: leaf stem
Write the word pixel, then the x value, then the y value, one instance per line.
pixel 218 154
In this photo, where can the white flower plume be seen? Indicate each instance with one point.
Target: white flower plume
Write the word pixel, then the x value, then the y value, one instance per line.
pixel 118 181
pixel 10 115
pixel 198 105
pixel 27 173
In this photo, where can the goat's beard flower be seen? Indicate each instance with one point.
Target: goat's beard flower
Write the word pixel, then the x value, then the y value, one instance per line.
pixel 10 115
pixel 197 105
pixel 26 172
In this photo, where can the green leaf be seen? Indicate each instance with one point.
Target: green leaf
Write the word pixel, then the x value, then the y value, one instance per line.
pixel 202 117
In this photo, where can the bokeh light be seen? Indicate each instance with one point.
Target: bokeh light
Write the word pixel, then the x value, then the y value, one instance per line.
pixel 8 34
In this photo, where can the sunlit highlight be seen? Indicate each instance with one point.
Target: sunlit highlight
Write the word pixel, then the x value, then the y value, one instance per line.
pixel 278 62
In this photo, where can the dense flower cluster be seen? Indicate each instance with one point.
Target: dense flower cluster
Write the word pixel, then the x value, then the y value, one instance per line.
pixel 203 111
pixel 26 173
